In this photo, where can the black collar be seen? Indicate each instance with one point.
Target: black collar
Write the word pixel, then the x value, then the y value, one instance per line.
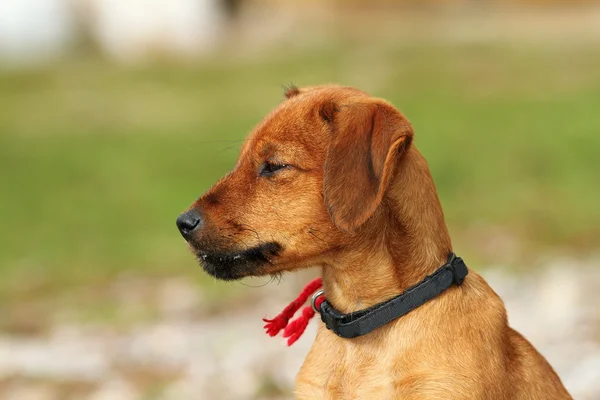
pixel 361 322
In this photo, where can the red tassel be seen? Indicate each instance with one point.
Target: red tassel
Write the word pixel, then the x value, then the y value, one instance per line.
pixel 297 327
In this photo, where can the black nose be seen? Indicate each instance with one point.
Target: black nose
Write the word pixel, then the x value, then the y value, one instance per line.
pixel 188 222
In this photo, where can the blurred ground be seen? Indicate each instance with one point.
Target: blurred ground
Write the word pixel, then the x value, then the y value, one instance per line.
pixel 190 353
pixel 100 297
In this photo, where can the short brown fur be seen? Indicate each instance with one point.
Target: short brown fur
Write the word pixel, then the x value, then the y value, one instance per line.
pixel 354 197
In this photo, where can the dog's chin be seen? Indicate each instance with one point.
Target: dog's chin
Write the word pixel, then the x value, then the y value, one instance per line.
pixel 237 264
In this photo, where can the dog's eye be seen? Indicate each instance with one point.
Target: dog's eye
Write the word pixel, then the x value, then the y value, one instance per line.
pixel 269 168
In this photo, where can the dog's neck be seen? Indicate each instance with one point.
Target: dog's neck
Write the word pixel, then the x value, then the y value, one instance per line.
pixel 406 240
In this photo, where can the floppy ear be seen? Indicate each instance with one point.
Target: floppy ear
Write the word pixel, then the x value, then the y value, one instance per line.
pixel 368 138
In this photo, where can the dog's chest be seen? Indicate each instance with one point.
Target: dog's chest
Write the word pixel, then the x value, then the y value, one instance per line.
pixel 337 371
pixel 347 383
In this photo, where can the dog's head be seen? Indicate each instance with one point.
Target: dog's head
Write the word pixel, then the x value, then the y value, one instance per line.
pixel 307 179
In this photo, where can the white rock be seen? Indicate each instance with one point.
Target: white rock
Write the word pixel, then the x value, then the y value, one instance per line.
pixel 130 30
pixel 34 30
pixel 71 359
pixel 584 380
pixel 116 390
pixel 30 392
pixel 178 297
pixel 163 346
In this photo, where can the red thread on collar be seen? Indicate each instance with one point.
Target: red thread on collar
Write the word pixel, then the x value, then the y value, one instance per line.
pixel 293 330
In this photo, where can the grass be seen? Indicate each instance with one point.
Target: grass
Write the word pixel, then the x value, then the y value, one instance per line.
pixel 96 160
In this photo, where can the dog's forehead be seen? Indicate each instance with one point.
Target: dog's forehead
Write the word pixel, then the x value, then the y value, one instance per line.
pixel 295 123
pixel 290 124
pixel 299 111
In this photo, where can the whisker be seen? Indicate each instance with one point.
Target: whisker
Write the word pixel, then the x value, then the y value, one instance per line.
pixel 312 233
pixel 257 286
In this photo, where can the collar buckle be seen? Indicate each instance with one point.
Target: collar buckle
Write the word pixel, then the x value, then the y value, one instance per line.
pixel 314 298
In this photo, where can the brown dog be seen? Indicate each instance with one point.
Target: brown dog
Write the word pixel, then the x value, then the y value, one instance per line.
pixel 331 179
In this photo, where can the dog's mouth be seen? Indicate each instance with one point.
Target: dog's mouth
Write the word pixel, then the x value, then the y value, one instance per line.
pixel 232 265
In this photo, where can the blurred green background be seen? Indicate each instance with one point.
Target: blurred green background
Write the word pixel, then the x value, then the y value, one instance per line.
pixel 98 158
